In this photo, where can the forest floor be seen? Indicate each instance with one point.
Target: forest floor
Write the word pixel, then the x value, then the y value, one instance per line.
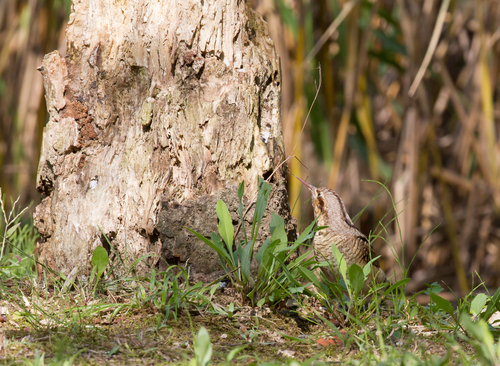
pixel 138 335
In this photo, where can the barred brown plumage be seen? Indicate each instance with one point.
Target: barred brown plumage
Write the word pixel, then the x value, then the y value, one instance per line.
pixel 354 246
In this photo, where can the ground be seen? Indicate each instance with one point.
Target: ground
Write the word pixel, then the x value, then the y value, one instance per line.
pixel 138 336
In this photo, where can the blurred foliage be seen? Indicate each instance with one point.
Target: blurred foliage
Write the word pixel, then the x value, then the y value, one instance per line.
pixel 28 30
pixel 438 149
pixel 409 96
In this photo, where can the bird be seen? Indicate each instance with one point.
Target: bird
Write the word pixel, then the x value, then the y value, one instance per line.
pixel 351 243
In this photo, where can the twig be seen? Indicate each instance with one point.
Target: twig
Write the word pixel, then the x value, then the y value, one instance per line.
pixel 328 33
pixel 432 47
pixel 310 109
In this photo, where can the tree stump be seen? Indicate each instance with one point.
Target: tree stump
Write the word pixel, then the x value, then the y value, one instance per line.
pixel 158 109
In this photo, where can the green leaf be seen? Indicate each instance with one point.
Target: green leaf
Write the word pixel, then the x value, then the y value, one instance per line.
pixel 217 242
pixel 241 190
pixel 443 304
pixel 100 260
pixel 245 260
pixel 493 305
pixel 234 352
pixel 307 233
pixel 309 276
pixel 356 277
pixel 266 264
pixel 368 266
pixel 260 205
pixel 276 220
pixel 216 245
pixel 262 196
pixel 413 313
pixel 479 330
pixel 263 248
pixel 280 234
pixel 203 347
pixel 341 263
pixel 498 350
pixel 238 254
pixel 477 305
pixel 12 230
pixel 400 283
pixel 113 351
pixel 226 229
pixel 261 302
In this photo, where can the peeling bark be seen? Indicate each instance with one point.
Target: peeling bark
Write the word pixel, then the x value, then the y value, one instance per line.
pixel 155 101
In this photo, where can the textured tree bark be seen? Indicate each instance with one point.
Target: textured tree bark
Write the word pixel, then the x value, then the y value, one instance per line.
pixel 156 101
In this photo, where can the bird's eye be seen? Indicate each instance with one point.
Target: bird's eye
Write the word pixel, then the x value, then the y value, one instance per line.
pixel 321 202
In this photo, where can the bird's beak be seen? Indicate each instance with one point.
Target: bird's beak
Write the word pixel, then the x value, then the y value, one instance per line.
pixel 310 187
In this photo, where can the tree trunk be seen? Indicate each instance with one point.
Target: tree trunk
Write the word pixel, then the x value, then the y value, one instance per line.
pixel 157 101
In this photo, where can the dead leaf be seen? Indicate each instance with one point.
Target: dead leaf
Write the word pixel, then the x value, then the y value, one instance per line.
pixel 335 341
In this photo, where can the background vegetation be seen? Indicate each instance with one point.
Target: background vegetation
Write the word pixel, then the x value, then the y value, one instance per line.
pixel 408 96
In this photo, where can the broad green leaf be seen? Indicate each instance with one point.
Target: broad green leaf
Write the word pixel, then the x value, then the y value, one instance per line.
pixel 493 305
pixel 479 330
pixel 260 205
pixel 203 347
pixel 226 229
pixel 309 276
pixel 341 263
pixel 100 260
pixel 279 234
pixel 263 248
pixel 261 302
pixel 276 220
pixel 268 258
pixel 498 350
pixel 413 313
pixel 262 196
pixel 221 250
pixel 356 277
pixel 477 305
pixel 245 260
pixel 443 304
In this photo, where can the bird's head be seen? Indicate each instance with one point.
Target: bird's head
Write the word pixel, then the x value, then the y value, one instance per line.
pixel 328 206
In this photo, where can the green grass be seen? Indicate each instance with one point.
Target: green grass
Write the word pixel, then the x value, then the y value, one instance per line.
pixel 161 318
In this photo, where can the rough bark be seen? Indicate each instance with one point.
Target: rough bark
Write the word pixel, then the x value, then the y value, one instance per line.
pixel 156 101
